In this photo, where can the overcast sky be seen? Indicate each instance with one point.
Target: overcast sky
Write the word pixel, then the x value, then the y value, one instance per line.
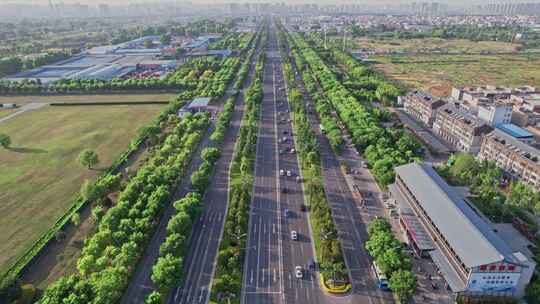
pixel 94 2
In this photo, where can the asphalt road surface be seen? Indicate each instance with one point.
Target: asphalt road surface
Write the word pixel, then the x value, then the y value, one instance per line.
pixel 272 255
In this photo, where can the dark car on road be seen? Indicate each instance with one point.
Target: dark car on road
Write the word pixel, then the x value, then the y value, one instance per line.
pixel 286 213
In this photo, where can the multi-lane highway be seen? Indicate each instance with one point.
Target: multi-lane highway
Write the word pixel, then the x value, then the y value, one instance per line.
pixel 272 255
pixel 269 273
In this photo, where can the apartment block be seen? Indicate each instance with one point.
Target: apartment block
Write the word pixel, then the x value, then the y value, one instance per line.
pixel 460 128
pixel 470 94
pixel 495 113
pixel 513 156
pixel 422 106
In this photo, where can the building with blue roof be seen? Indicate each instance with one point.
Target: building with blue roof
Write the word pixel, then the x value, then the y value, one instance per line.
pixel 517 132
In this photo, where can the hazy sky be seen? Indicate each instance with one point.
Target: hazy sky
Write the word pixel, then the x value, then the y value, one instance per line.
pixel 93 2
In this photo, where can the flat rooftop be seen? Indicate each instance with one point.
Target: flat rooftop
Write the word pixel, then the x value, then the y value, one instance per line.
pixel 199 102
pixel 515 131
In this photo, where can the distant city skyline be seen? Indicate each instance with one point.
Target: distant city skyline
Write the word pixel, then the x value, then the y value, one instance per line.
pixel 323 2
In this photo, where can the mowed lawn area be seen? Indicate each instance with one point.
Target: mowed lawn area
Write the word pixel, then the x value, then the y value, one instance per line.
pixel 438 73
pixel 40 176
pixel 88 98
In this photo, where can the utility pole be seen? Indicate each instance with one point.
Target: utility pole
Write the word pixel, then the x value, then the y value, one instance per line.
pixel 325 39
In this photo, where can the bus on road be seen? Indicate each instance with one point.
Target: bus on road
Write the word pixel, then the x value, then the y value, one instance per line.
pixel 382 281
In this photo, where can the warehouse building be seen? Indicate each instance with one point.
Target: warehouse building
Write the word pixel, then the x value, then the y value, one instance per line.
pixel 471 257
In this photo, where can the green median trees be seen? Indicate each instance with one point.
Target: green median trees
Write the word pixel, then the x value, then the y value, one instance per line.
pixel 165 273
pixel 403 283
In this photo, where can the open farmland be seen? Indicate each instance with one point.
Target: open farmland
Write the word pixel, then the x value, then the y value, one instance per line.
pixel 438 73
pixel 433 45
pixel 88 98
pixel 41 176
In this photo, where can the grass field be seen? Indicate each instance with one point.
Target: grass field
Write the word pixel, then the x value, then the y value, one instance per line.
pixel 40 173
pixel 433 44
pixel 6 112
pixel 438 73
pixel 88 98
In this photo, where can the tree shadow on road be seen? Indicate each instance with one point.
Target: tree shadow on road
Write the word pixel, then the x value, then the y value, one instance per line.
pixel 27 150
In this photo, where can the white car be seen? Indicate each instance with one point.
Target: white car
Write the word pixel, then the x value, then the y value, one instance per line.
pixel 298 272
pixel 294 235
pixel 298 179
pixel 281 172
pixel 293 151
pixel 289 173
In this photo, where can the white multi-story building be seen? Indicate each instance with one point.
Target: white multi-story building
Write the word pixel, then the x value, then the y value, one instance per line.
pixel 460 128
pixel 495 113
pixel 422 106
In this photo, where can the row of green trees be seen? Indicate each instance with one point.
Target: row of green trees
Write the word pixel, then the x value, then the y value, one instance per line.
pixel 223 120
pixel 228 278
pixel 389 256
pixel 232 41
pixel 364 83
pixel 384 148
pixel 325 234
pixel 108 257
pixel 328 121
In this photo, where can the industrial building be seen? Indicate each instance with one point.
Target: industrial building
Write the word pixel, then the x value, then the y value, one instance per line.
pixel 439 223
pixel 102 63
